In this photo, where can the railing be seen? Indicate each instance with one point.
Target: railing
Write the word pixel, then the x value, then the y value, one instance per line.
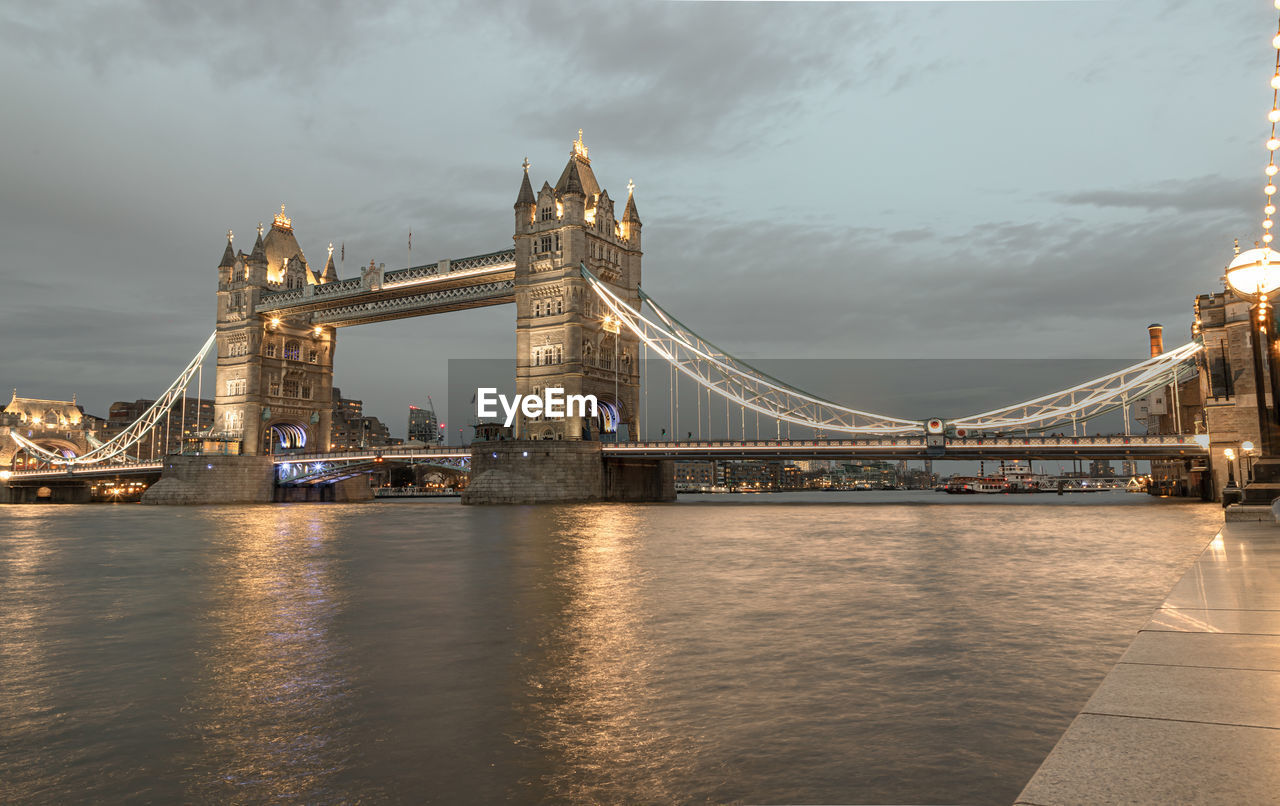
pixel 359 309
pixel 373 453
pixel 1184 442
pixel 339 287
pixel 86 470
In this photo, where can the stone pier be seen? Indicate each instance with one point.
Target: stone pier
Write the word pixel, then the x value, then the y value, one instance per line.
pixel 562 471
pixel 214 480
pixel 48 492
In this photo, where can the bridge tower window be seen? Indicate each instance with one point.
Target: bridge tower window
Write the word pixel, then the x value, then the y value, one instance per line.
pixel 291 388
pixel 313 356
pixel 545 243
pixel 274 389
pixel 269 349
pixel 292 350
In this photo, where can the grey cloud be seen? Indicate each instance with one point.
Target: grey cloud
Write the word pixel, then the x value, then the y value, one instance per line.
pixel 1201 194
pixel 723 74
pixel 1004 289
pixel 296 40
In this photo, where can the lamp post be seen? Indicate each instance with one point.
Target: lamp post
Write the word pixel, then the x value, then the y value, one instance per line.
pixel 1254 276
pixel 1246 452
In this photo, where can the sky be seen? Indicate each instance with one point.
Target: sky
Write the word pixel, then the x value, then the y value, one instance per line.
pixel 816 180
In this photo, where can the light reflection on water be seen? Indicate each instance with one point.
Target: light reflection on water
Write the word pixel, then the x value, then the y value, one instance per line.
pixel 267 703
pixel 780 650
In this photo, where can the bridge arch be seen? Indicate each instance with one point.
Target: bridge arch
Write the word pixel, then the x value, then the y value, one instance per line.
pixel 23 457
pixel 286 434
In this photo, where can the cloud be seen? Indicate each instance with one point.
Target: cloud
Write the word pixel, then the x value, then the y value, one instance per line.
pixel 643 76
pixel 299 41
pixel 1001 289
pixel 1201 194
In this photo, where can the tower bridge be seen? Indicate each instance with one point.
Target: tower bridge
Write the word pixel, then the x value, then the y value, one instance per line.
pixel 583 324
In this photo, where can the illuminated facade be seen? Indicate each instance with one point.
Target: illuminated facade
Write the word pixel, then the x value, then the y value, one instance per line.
pixel 561 338
pixel 275 376
pixel 56 425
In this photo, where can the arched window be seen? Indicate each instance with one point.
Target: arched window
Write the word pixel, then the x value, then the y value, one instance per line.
pixel 292 350
pixel 537 308
pixel 559 305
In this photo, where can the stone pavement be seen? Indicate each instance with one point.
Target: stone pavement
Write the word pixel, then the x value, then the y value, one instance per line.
pixel 1191 713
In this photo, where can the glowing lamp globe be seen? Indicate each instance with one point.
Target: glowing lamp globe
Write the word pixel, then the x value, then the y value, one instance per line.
pixel 1255 272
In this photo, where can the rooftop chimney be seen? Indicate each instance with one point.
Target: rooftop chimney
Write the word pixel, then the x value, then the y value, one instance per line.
pixel 1157 339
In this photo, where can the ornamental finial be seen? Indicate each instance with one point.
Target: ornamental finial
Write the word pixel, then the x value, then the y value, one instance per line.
pixel 579 147
pixel 259 229
pixel 631 188
pixel 230 235
pixel 1237 246
pixel 282 221
pixel 525 164
pixel 331 250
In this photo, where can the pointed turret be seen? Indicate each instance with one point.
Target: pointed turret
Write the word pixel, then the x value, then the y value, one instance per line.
pixel 526 197
pixel 259 251
pixel 629 227
pixel 630 215
pixel 330 273
pixel 228 254
pixel 577 176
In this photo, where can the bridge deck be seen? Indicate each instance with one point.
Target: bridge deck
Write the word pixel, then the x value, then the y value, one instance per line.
pixel 972 448
pixel 470 282
pixel 1101 447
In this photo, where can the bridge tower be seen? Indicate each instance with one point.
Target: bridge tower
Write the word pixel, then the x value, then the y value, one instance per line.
pixel 275 376
pixel 561 335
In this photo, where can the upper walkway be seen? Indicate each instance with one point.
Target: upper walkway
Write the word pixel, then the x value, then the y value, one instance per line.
pixel 446 285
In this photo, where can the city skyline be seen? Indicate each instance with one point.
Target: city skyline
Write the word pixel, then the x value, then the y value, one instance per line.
pixel 1049 211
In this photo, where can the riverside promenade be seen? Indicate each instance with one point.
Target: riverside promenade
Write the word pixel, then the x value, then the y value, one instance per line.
pixel 1191 713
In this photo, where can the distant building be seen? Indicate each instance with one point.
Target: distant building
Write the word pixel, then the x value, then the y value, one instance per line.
pixel 1101 468
pixel 184 424
pixel 424 426
pixel 695 475
pixel 350 429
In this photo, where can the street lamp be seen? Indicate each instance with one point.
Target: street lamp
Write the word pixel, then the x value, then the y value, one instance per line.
pixel 1254 275
pixel 1247 451
pixel 1230 456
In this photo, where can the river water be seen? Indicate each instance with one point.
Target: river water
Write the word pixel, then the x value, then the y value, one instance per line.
pixel 804 648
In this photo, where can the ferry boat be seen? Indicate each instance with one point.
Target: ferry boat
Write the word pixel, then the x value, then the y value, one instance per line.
pixel 1019 478
pixel 970 485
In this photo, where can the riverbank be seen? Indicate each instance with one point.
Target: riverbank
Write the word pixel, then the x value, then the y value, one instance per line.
pixel 1191 713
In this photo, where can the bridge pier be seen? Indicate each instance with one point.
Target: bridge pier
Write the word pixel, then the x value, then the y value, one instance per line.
pixel 214 480
pixel 349 490
pixel 54 492
pixel 562 471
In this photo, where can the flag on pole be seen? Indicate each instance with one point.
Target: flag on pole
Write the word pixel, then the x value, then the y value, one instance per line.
pixel 410 239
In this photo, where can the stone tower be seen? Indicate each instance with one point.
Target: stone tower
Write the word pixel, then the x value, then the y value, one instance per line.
pixel 561 339
pixel 275 376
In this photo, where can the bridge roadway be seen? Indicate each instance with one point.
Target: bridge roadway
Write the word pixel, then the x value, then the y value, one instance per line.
pixel 917 447
pixel 447 285
pixel 913 447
